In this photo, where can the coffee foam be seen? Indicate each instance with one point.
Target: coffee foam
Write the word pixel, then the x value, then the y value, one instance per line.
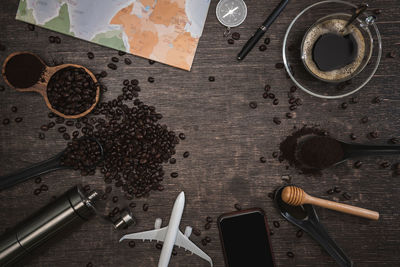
pixel 332 26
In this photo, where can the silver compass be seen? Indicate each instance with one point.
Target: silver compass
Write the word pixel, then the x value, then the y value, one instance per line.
pixel 231 13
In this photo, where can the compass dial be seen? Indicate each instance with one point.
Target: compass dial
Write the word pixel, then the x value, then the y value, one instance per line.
pixel 231 13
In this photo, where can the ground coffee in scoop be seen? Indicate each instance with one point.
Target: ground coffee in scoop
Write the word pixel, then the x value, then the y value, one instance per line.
pixel 24 70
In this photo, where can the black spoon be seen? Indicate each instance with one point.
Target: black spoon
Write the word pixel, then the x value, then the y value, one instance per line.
pixel 321 152
pixel 307 219
pixel 52 164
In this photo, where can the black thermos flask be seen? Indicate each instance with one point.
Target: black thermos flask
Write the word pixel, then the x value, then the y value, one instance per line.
pixel 71 208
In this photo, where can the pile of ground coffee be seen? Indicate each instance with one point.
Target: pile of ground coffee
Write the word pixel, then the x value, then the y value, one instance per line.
pixel 288 148
pixel 320 152
pixel 24 70
pixel 71 91
pixel 82 154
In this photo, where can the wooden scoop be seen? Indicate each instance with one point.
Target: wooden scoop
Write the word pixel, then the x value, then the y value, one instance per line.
pixel 41 86
pixel 295 196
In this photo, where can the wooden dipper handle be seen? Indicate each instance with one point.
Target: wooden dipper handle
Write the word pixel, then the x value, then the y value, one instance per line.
pixel 295 196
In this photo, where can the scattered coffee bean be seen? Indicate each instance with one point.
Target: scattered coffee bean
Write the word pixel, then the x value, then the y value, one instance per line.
pixel 391 54
pixel 276 101
pixel 276 224
pixel 207 226
pixel 132 205
pixel 265 95
pixel 18 119
pixel 211 78
pixel 357 164
pixel 354 100
pixel 174 174
pixel 237 206
pixel 377 100
pixel 364 119
pixel 231 41
pixel 38 180
pixel 66 136
pixel 385 164
pixel 279 65
pixel 62 129
pixel 89 264
pixel 115 199
pixel 14 109
pixel 235 36
pixel 196 232
pixel 289 115
pixel 186 154
pixel 112 66
pixel 271 232
pixel 174 252
pixel 290 254
pixel 44 187
pixel 2 88
pixel 127 61
pixel 346 196
pixel 57 40
pixel 41 136
pixel 209 219
pixel 253 104
pixel 37 191
pixel 330 191
pixel 299 233
pixel 172 161
pixel 344 105
pixel 103 74
pixel 6 121
pixel 271 195
pixel 51 39
pixel 353 136
pixel 132 244
pixel 204 242
pixel 262 47
pixel 293 89
pixel 373 134
pixel 208 239
pixel 182 136
pixel 271 95
pixel 150 80
pixel 337 189
pixel 276 120
pixel 158 246
pixel 90 55
pixel 377 11
pixel 263 160
pixel 121 53
pixel 115 59
pixel 394 140
pixel 275 154
pixel 31 27
pixel 267 40
pixel 151 62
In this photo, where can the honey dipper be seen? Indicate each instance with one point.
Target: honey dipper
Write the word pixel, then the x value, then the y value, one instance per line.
pixel 296 196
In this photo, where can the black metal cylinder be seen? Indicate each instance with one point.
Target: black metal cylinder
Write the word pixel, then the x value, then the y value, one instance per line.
pixel 70 208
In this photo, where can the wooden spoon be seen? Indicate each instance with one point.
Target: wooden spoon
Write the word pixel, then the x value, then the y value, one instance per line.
pixel 41 86
pixel 295 196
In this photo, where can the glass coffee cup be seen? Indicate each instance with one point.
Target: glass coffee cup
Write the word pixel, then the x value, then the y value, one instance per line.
pixel 317 25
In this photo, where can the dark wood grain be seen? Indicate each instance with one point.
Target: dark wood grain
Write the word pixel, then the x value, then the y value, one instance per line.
pixel 225 138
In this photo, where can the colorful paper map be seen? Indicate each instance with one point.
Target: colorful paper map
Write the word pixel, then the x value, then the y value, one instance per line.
pixel 166 31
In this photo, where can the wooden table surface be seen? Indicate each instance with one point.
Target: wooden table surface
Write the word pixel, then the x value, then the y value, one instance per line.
pixel 225 138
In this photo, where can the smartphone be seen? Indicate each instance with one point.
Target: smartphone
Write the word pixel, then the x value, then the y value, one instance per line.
pixel 245 239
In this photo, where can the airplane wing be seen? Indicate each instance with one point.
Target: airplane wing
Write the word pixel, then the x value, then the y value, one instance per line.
pixel 157 234
pixel 183 241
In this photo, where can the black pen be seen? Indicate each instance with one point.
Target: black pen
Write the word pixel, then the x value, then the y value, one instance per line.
pixel 260 31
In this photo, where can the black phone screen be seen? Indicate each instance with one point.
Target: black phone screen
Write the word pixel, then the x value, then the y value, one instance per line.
pixel 245 239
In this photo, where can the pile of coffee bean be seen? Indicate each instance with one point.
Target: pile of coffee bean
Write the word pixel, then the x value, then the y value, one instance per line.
pixel 135 144
pixel 71 91
pixel 82 154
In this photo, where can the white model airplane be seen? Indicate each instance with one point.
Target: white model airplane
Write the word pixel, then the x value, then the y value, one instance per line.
pixel 171 235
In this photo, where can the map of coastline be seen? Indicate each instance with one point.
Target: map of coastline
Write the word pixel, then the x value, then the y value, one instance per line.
pixel 166 31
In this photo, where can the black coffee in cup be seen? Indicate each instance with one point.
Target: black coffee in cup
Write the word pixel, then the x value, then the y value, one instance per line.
pixel 332 52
